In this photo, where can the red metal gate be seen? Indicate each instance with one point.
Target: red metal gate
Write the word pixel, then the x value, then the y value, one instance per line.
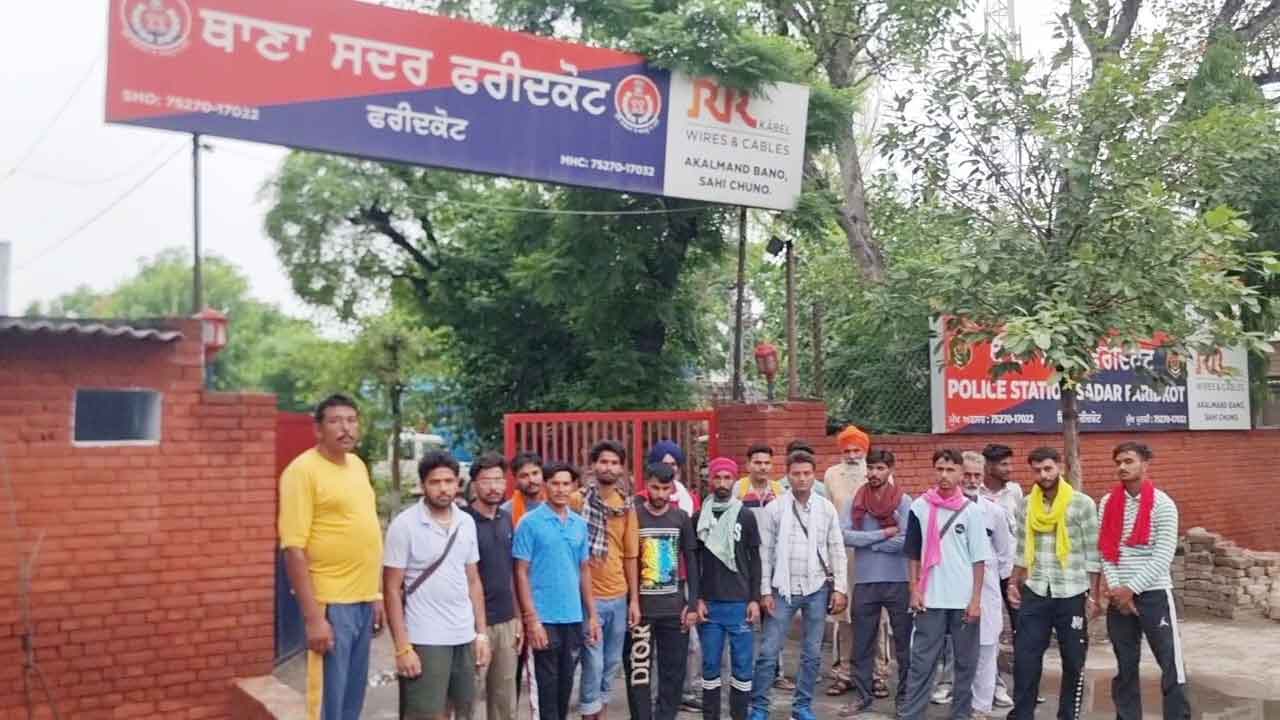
pixel 569 436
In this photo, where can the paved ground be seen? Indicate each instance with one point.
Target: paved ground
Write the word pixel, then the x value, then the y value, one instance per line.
pixel 1234 668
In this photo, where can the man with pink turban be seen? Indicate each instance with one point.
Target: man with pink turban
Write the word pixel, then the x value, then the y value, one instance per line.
pixel 729 560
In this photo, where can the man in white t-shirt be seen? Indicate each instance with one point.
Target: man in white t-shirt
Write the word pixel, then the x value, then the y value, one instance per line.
pixel 947 550
pixel 441 624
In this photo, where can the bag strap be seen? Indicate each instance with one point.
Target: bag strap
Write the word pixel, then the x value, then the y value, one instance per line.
pixel 826 569
pixel 947 525
pixel 417 582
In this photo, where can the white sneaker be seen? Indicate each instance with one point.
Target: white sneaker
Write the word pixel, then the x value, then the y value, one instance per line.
pixel 1001 698
pixel 941 694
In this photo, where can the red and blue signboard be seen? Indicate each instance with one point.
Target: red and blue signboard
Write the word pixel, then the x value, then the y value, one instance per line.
pixel 356 79
pixel 1200 392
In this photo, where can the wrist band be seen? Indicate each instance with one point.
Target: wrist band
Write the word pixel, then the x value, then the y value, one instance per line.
pixel 404 651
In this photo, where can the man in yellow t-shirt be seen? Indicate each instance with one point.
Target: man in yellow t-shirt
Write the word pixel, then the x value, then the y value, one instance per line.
pixel 332 546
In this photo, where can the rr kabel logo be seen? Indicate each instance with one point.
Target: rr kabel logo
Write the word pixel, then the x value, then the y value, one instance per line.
pixel 156 26
pixel 638 103
pixel 722 103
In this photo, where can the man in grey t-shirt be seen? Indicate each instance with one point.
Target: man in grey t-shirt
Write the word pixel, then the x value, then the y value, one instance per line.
pixel 438 624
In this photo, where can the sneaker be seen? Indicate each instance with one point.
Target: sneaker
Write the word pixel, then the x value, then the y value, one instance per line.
pixel 941 694
pixel 782 683
pixel 1001 698
pixel 691 703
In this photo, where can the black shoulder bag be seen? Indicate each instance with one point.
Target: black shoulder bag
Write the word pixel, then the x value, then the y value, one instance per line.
pixel 826 569
pixel 417 582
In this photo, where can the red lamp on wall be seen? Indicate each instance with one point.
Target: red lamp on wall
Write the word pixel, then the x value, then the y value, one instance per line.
pixel 767 364
pixel 213 331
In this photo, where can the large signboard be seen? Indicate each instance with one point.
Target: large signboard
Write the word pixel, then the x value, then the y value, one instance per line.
pixel 351 78
pixel 1203 392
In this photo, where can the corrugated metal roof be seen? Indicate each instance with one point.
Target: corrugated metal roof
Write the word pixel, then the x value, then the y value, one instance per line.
pixel 86 328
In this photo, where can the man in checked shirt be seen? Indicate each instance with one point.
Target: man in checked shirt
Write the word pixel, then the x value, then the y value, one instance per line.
pixel 1054 584
pixel 1138 538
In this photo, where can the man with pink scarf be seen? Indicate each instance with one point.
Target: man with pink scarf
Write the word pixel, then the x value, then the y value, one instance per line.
pixel 947 550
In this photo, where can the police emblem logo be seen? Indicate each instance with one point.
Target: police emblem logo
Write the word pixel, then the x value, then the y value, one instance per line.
pixel 156 26
pixel 638 104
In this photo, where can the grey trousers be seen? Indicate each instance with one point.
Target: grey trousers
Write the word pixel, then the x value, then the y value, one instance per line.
pixel 930 630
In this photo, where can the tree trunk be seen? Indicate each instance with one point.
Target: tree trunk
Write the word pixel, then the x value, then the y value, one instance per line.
pixel 1071 436
pixel 738 394
pixel 853 213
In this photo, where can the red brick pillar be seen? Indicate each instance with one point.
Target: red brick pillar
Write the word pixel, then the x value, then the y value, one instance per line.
pixel 775 424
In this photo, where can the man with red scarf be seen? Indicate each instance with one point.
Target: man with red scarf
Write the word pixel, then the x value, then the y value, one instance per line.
pixel 874 523
pixel 1137 540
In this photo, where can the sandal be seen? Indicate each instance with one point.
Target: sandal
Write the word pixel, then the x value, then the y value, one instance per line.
pixel 839 686
pixel 879 688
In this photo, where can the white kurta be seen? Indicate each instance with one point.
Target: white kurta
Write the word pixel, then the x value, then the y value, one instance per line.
pixel 999 566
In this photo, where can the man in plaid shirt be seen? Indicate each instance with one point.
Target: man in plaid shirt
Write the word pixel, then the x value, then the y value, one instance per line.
pixel 1054 584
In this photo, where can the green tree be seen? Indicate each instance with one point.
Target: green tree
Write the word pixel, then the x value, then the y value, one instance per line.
pixel 1084 203
pixel 575 302
pixel 268 350
pixel 395 350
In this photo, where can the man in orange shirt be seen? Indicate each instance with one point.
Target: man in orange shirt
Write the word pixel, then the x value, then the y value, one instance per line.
pixel 613 536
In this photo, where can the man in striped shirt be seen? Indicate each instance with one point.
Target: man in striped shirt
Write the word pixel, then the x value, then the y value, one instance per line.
pixel 1138 538
pixel 1054 585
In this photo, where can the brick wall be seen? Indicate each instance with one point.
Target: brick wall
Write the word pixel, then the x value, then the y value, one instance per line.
pixel 154 584
pixel 1223 481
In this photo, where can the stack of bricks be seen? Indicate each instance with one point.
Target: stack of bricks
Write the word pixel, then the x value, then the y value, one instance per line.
pixel 1226 580
pixel 1200 591
pixel 1261 579
pixel 1268 563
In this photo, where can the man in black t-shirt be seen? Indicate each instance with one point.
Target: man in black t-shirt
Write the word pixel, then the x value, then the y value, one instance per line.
pixel 729 605
pixel 494 533
pixel 659 643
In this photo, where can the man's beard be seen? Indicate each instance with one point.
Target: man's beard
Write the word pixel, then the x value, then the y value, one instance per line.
pixel 722 494
pixel 658 504
pixel 972 494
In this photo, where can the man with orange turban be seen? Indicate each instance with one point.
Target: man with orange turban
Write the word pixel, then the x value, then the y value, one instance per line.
pixel 843 481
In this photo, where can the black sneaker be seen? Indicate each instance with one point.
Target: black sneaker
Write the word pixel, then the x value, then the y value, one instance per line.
pixel 692 703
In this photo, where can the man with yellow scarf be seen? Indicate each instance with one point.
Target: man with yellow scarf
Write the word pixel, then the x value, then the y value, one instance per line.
pixel 1054 584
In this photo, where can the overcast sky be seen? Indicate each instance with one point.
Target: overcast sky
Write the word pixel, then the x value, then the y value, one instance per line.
pixel 81 168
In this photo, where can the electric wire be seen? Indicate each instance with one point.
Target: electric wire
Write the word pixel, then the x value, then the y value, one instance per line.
pixel 90 182
pixel 26 154
pixel 42 252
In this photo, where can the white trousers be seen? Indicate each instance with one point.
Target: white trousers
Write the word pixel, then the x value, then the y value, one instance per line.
pixel 984 679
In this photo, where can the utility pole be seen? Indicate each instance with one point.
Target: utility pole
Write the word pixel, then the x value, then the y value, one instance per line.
pixel 793 359
pixel 819 379
pixel 737 393
pixel 197 280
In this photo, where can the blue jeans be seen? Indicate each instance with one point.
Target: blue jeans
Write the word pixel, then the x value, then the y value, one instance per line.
pixel 726 620
pixel 600 662
pixel 814 609
pixel 346 666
